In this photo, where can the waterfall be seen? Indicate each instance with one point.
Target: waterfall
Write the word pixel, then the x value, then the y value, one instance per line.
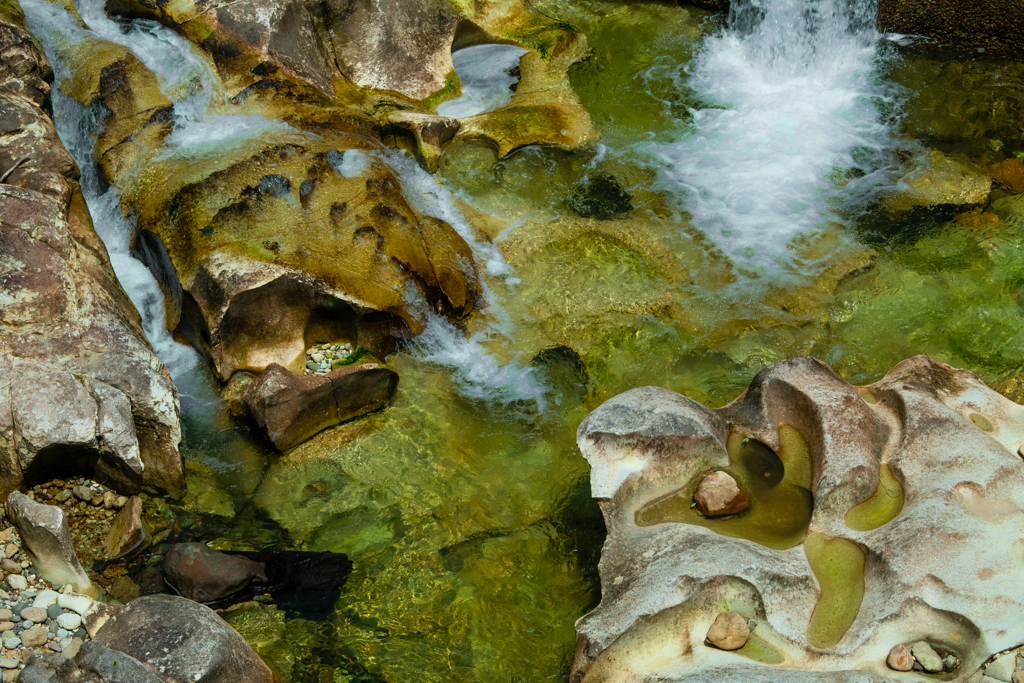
pixel 795 81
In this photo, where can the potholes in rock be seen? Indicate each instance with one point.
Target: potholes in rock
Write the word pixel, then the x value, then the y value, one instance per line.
pixel 778 485
pixel 838 564
pixel 884 505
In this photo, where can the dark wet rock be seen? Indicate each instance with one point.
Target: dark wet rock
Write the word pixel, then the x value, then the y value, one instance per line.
pixel 302 582
pixel 995 25
pixel 289 408
pixel 183 640
pixel 710 5
pixel 600 196
pixel 81 391
pixel 46 538
pixel 204 575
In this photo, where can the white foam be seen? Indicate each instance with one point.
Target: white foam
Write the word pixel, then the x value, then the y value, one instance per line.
pixel 484 71
pixel 474 371
pixel 352 163
pixel 799 98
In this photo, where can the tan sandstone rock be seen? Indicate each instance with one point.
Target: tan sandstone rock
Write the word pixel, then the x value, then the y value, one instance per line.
pixel 729 631
pixel 900 659
pixel 719 494
pixel 863 486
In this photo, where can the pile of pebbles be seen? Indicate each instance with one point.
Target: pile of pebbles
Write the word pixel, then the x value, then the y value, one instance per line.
pixel 34 618
pixel 320 357
pixel 90 508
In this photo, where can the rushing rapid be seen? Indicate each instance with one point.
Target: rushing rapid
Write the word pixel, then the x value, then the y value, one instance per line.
pixel 795 105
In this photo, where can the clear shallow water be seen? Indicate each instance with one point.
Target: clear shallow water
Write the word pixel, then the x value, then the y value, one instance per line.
pixel 465 504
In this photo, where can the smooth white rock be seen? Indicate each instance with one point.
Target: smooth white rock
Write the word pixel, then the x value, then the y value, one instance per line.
pixel 75 602
pixel 69 621
pixel 45 598
pixel 17 582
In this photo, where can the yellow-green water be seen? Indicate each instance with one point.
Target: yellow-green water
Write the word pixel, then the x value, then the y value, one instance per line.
pixel 778 486
pixel 882 507
pixel 469 521
pixel 838 564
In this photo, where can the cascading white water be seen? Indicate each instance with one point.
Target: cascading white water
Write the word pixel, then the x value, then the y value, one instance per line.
pixel 485 72
pixel 795 78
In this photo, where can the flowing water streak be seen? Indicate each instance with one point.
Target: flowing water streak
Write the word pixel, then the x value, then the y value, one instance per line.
pixel 65 42
pixel 475 371
pixel 486 73
pixel 796 77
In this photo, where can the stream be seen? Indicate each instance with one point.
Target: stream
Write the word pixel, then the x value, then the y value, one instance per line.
pixel 729 218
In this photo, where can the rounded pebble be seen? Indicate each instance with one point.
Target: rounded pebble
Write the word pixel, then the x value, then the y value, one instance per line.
pixel 69 621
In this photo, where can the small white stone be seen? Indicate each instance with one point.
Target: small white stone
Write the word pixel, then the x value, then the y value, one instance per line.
pixel 75 602
pixel 45 599
pixel 69 621
pixel 17 582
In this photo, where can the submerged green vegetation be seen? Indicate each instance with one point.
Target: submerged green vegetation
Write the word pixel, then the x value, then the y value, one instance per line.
pixel 469 519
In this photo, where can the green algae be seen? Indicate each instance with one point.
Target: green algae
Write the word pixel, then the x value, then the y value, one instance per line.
pixel 882 507
pixel 778 486
pixel 838 564
pixel 760 650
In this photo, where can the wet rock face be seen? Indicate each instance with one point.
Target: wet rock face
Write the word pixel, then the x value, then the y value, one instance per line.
pixel 925 459
pixel 996 25
pixel 290 409
pixel 81 391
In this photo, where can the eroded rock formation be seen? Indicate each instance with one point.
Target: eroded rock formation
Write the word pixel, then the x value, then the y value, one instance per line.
pixel 81 391
pixel 883 515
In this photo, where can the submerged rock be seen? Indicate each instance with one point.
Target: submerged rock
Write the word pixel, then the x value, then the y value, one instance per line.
pixel 938 181
pixel 290 408
pixel 820 592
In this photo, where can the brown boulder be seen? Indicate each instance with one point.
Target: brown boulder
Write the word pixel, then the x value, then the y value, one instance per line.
pixel 729 631
pixel 719 494
pixel 183 640
pixel 290 408
pixel 202 574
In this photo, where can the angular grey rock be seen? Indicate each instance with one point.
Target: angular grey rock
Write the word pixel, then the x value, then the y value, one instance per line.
pixel 46 538
pixel 183 640
pixel 202 574
pixel 927 657
pixel 91 663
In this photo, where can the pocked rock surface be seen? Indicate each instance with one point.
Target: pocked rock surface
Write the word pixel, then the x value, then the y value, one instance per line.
pixel 941 566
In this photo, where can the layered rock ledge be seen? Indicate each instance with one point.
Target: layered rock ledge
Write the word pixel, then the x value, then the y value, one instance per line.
pixel 81 390
pixel 880 516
